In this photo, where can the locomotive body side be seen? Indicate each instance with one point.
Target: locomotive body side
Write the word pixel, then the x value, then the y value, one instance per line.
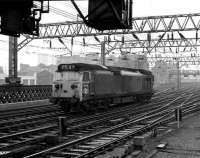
pixel 111 86
pixel 137 84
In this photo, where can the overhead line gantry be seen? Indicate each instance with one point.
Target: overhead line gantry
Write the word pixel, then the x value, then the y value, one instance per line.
pixel 150 24
pixel 140 25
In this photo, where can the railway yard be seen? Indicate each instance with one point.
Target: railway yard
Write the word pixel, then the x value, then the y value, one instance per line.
pixel 132 130
pixel 95 79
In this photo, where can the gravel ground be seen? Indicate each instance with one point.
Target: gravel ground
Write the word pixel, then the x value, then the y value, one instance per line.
pixel 183 142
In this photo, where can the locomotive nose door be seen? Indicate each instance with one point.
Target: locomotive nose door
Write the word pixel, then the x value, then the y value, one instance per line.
pixel 66 84
pixel 71 84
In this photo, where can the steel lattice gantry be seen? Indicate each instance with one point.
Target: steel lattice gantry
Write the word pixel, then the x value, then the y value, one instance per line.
pixel 152 24
pixel 183 60
pixel 182 22
pixel 156 43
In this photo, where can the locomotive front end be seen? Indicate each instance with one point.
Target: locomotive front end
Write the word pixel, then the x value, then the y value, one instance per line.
pixel 70 87
pixel 66 88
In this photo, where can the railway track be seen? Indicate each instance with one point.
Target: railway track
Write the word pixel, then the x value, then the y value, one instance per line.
pixel 16 125
pixel 95 143
pixel 27 111
pixel 78 128
pixel 28 132
pixel 32 119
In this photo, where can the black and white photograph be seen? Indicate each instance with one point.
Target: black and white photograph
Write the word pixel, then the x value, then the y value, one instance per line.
pixel 99 79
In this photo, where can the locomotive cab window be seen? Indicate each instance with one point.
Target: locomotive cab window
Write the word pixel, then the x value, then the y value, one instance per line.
pixel 86 76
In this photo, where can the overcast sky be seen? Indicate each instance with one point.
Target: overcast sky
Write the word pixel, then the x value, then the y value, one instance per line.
pixel 165 7
pixel 140 8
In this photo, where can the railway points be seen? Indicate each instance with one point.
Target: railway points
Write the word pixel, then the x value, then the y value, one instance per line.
pixel 82 129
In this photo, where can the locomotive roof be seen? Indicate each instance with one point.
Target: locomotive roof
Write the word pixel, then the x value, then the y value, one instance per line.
pixel 87 67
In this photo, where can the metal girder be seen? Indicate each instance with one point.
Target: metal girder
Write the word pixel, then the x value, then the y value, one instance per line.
pixel 153 24
pixel 23 43
pixel 20 93
pixel 183 60
pixel 191 43
pixel 12 57
pixel 162 43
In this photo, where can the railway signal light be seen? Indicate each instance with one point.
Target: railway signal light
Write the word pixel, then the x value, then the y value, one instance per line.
pixel 108 14
pixel 20 16
pixel 15 16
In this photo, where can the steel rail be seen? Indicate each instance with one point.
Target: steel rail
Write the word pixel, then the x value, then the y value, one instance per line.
pixel 135 120
pixel 188 91
pixel 155 123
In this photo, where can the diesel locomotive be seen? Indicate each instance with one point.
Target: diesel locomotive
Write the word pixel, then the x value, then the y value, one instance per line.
pixel 83 87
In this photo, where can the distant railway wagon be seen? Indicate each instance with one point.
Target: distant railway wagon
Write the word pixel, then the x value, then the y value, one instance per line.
pixel 83 87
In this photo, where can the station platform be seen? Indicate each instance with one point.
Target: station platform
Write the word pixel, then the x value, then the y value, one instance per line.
pixel 21 105
pixel 183 142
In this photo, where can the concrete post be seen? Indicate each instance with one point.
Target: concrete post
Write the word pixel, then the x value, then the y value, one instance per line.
pixel 62 127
